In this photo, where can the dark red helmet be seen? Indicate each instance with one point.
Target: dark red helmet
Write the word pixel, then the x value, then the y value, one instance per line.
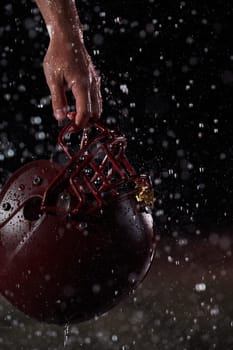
pixel 75 238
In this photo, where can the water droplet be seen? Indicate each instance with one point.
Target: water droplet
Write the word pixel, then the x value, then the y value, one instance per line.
pixel 124 347
pixel 44 170
pixel 37 181
pixel 200 287
pixel 6 206
pixel 66 334
pixel 114 338
pixel 82 226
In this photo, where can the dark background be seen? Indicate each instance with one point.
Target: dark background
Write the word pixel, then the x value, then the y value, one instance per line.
pixel 175 58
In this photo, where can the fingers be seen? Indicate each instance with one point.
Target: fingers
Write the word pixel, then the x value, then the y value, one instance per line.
pixel 96 99
pixel 57 90
pixel 83 104
pixel 59 101
pixel 72 67
pixel 86 92
pixel 88 102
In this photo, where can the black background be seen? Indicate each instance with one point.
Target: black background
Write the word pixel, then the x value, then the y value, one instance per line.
pixel 176 59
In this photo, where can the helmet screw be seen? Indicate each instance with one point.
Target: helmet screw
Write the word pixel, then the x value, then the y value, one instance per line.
pixel 37 181
pixel 6 206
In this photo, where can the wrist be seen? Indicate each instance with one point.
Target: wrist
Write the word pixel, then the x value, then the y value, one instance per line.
pixel 61 18
pixel 65 31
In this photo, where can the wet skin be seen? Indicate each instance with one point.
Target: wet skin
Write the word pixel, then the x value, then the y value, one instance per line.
pixel 67 64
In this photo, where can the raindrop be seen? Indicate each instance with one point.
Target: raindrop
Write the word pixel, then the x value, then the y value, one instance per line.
pixel 114 338
pixel 200 287
pixel 21 187
pixel 66 334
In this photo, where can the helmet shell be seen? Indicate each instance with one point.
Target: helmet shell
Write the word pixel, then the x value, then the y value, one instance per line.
pixel 60 269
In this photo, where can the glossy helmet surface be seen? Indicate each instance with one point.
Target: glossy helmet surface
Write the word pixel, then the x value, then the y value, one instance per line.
pixel 75 237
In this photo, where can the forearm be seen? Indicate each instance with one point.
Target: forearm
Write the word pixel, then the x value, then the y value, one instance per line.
pixel 61 17
pixel 67 63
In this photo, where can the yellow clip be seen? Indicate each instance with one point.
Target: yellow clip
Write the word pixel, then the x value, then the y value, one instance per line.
pixel 145 196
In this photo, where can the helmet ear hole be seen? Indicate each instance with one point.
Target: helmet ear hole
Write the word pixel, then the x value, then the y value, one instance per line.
pixel 32 209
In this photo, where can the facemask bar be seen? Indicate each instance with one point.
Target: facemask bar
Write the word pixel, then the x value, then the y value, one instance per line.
pixel 97 173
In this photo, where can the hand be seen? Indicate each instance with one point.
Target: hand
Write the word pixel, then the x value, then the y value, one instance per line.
pixel 67 65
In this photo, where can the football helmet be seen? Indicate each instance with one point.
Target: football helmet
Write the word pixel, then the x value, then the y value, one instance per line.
pixel 75 235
